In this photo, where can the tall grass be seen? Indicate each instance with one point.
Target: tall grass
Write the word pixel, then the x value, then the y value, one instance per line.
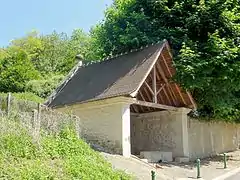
pixel 56 156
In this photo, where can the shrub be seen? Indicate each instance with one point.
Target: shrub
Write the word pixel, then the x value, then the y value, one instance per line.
pixel 43 87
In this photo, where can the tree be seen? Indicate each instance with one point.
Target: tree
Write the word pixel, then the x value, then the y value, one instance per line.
pixel 204 35
pixel 60 50
pixel 16 70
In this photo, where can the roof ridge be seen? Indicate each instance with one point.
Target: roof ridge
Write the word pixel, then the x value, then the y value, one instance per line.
pixel 121 54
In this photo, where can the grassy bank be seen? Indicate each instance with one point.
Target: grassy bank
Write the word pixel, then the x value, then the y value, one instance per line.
pixel 62 156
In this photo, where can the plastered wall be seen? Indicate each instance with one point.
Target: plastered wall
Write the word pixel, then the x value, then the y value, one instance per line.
pixel 210 138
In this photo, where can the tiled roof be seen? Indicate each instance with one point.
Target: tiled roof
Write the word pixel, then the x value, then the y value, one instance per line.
pixel 118 76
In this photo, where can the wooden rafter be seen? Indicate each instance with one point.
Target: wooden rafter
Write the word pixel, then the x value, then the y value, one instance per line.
pixel 180 94
pixel 154 105
pixel 167 96
pixel 176 86
pixel 167 83
pixel 149 88
pixel 161 88
pixel 157 91
pixel 148 96
pixel 192 101
pixel 135 108
pixel 142 96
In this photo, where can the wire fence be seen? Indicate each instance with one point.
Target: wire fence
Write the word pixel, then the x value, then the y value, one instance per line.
pixel 34 117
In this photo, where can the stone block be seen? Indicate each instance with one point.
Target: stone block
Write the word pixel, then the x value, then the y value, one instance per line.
pixel 182 159
pixel 156 156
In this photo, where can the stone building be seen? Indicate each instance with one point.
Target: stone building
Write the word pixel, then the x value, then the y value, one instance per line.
pixel 129 104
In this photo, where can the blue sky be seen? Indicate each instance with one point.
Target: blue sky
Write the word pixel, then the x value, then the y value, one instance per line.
pixel 19 17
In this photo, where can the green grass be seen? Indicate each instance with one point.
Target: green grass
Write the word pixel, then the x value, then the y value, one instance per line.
pixel 25 96
pixel 61 156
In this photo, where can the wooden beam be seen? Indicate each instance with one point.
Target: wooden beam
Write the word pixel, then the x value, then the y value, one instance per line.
pixel 154 105
pixel 148 87
pixel 179 92
pixel 171 92
pixel 140 92
pixel 167 83
pixel 192 101
pixel 142 96
pixel 170 73
pixel 162 73
pixel 166 94
pixel 154 85
pixel 161 88
pixel 161 99
pixel 169 51
pixel 166 65
pixel 143 89
pixel 135 108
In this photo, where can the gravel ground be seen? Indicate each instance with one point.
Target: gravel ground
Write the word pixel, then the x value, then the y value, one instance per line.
pixel 210 167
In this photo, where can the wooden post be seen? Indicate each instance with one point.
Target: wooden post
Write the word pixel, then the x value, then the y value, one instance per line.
pixel 154 85
pixel 78 128
pixel 8 104
pixel 34 124
pixel 38 122
pixel 39 111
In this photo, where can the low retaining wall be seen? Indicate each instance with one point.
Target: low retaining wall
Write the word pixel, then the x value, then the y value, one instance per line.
pixel 211 138
pixel 158 131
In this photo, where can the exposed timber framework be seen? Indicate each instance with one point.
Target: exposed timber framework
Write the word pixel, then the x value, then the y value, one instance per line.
pixel 158 91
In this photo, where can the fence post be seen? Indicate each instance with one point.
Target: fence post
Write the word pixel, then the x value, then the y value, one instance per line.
pixel 38 122
pixel 198 168
pixel 34 122
pixel 78 128
pixel 8 104
pixel 225 160
pixel 153 175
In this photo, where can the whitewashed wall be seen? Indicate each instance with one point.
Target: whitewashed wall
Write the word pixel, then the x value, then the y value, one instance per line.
pixel 211 138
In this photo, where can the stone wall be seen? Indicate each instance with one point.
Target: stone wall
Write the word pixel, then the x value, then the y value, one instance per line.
pixel 158 131
pixel 163 131
pixel 210 138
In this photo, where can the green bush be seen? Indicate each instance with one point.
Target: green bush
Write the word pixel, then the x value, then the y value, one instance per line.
pixel 61 156
pixel 44 87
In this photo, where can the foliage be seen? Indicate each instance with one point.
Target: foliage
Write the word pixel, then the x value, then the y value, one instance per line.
pixel 61 156
pixel 24 96
pixel 44 87
pixel 16 70
pixel 204 36
pixel 36 63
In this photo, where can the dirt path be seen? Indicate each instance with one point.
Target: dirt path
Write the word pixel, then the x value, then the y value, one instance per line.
pixel 137 168
pixel 210 167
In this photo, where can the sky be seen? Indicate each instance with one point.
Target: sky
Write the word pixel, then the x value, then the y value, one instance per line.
pixel 19 17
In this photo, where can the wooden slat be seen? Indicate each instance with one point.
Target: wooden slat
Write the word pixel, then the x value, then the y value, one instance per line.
pixel 154 105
